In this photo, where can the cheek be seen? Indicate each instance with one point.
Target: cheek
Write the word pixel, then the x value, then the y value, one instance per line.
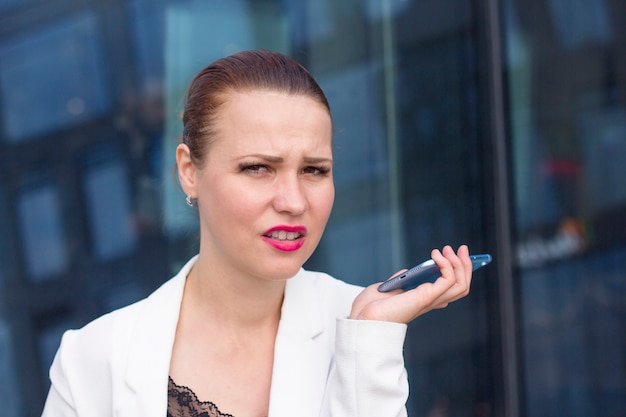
pixel 323 201
pixel 228 206
pixel 242 207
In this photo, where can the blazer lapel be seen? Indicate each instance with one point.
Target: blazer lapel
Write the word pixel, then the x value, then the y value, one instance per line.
pixel 151 346
pixel 301 356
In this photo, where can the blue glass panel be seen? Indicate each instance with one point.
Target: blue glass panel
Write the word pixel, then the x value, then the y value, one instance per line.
pixel 52 77
pixel 48 340
pixel 8 378
pixel 43 236
pixel 5 235
pixel 148 30
pixel 110 210
pixel 9 4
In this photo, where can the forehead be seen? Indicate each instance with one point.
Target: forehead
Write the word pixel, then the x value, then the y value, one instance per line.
pixel 262 119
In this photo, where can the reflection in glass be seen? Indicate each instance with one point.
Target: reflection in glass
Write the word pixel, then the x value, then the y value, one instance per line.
pixel 361 177
pixel 573 319
pixel 360 153
pixel 52 77
pixel 42 231
pixel 362 264
pixel 110 210
pixel 581 22
pixel 148 30
pixel 9 4
pixel 5 239
pixel 8 387
pixel 568 123
pixel 603 135
pixel 48 342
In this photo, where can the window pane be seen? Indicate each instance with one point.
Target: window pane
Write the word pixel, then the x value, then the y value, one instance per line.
pixel 95 96
pixel 42 231
pixel 566 66
pixel 8 388
pixel 52 77
pixel 108 201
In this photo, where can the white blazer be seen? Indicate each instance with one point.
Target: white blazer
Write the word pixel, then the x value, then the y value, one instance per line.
pixel 324 364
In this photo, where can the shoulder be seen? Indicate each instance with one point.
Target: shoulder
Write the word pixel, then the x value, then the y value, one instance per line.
pixel 115 324
pixel 92 361
pixel 102 341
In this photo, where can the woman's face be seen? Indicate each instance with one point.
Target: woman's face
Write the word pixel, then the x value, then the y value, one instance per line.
pixel 265 191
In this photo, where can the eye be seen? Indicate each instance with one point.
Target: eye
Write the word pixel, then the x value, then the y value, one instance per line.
pixel 253 169
pixel 319 171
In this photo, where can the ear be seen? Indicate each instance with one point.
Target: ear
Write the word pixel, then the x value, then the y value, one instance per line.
pixel 186 170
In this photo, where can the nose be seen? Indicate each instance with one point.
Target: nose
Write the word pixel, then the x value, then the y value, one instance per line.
pixel 290 196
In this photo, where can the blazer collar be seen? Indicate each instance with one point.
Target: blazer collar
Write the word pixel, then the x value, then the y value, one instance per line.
pixel 152 342
pixel 301 307
pixel 299 355
pixel 301 359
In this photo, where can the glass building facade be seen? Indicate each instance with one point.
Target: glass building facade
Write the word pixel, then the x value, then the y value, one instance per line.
pixel 496 123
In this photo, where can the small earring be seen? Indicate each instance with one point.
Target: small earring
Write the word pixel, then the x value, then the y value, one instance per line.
pixel 191 202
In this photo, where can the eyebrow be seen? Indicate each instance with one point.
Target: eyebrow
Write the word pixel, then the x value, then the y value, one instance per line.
pixel 312 160
pixel 278 159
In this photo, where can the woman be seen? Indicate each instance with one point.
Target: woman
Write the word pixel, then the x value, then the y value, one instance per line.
pixel 243 330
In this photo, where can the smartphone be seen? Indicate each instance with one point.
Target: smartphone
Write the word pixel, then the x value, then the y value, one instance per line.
pixel 427 271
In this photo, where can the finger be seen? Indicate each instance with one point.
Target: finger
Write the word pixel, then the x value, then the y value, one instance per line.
pixel 441 260
pixel 444 260
pixel 456 270
pixel 460 274
pixel 463 253
pixel 461 264
pixel 463 268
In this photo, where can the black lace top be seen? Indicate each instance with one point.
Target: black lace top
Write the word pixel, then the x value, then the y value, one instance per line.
pixel 182 402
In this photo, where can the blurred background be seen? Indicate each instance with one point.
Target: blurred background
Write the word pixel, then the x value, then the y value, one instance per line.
pixel 501 124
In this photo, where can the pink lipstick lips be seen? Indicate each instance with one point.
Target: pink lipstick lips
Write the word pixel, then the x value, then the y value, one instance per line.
pixel 285 238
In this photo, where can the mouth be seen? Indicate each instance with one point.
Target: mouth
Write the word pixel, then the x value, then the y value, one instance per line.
pixel 285 238
pixel 283 235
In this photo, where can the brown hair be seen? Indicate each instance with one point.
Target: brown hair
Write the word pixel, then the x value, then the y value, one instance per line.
pixel 241 72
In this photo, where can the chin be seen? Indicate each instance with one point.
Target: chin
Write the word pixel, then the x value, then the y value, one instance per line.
pixel 286 274
pixel 282 266
pixel 283 272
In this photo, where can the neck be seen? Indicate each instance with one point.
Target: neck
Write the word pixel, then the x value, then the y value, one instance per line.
pixel 237 301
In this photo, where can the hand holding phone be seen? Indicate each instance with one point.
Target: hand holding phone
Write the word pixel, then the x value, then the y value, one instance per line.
pixel 427 271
